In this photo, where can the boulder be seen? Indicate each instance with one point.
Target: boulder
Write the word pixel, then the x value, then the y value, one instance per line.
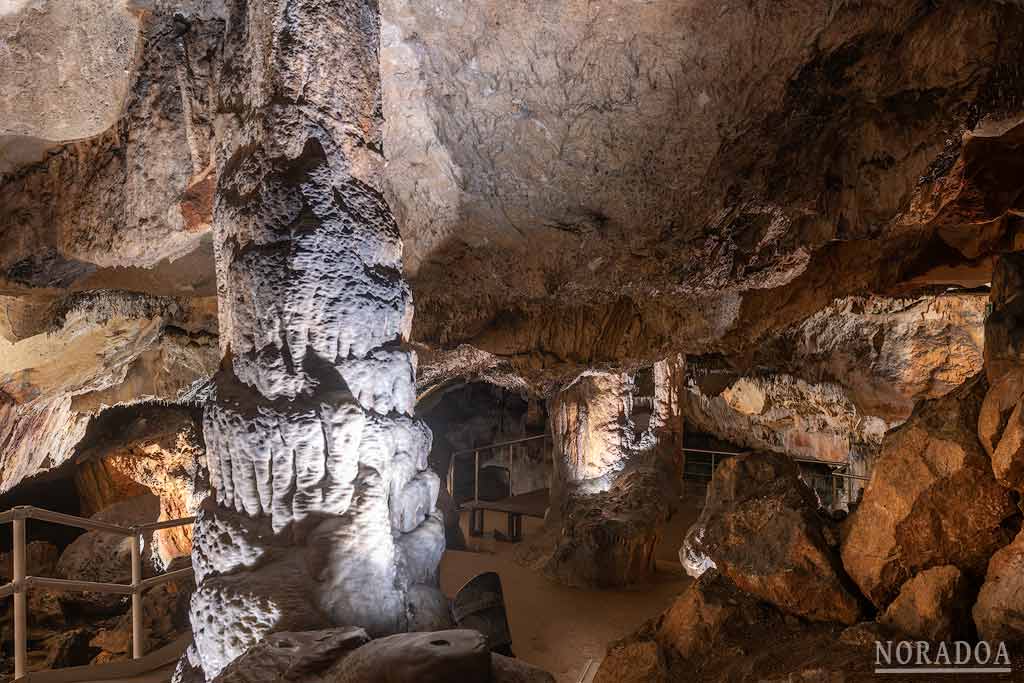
pixel 915 514
pixel 1001 398
pixel 432 657
pixel 633 662
pixel 761 527
pixel 44 607
pixel 41 560
pixel 1008 458
pixel 70 647
pixel 709 615
pixel 302 656
pixel 999 610
pixel 707 611
pixel 934 605
pixel 511 670
pixel 106 557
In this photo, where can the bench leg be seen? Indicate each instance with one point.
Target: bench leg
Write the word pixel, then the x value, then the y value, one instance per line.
pixel 515 527
pixel 476 522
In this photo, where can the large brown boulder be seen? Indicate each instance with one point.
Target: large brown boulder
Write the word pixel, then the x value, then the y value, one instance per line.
pixel 635 661
pixel 709 613
pixel 935 605
pixel 999 610
pixel 932 500
pixel 762 528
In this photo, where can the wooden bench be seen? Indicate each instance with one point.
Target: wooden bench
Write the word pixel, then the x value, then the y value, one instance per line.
pixel 532 504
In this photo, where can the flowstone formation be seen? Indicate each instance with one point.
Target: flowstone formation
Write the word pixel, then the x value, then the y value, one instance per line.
pixel 617 457
pixel 325 509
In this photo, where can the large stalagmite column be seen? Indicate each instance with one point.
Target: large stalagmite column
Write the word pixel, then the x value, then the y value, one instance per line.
pixel 324 509
pixel 615 480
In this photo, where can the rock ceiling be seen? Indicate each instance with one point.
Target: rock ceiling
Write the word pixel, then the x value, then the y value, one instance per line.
pixel 578 184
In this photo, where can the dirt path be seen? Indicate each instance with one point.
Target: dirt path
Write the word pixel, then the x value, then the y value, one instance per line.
pixel 555 627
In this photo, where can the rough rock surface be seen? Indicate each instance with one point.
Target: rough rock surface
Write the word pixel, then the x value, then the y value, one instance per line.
pixel 65 68
pixel 160 452
pixel 1001 422
pixel 555 164
pixel 301 656
pixel 761 527
pixel 785 414
pixel 165 617
pixel 431 657
pixel 935 605
pixel 999 610
pixel 613 481
pixel 708 612
pixel 106 557
pixel 1004 345
pixel 91 352
pixel 887 353
pixel 318 467
pixel 633 662
pixel 915 514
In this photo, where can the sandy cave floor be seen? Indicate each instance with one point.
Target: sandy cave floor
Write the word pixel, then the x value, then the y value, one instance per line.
pixel 557 628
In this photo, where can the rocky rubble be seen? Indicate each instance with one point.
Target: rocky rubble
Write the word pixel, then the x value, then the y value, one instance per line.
pixel 935 605
pixel 762 528
pixel 915 515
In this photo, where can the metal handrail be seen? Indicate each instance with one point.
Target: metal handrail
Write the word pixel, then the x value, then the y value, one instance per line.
pixel 22 583
pixel 476 462
pixel 499 444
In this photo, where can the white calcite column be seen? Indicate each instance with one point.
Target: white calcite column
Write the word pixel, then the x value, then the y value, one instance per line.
pixel 324 509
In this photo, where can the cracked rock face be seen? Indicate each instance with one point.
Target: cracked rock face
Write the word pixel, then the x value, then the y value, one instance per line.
pixel 915 515
pixel 89 352
pixel 586 183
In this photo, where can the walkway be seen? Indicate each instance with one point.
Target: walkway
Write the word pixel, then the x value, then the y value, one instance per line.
pixel 558 628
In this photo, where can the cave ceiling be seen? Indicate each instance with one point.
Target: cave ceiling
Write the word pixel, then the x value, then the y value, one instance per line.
pixel 578 185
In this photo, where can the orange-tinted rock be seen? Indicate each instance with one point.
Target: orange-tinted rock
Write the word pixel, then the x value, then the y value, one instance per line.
pixel 161 452
pixel 932 500
pixel 1002 397
pixel 633 662
pixel 761 528
pixel 935 605
pixel 699 618
pixel 1008 458
pixel 999 610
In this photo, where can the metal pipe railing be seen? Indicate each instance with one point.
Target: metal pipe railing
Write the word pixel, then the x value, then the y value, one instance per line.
pixel 476 462
pixel 22 582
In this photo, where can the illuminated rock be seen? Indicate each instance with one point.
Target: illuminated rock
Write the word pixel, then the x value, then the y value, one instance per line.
pixel 324 506
pixel 762 528
pixel 615 473
pixel 915 514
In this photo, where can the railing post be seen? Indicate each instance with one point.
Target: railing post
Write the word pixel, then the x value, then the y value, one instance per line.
pixel 510 449
pixel 476 476
pixel 20 602
pixel 137 644
pixel 451 476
